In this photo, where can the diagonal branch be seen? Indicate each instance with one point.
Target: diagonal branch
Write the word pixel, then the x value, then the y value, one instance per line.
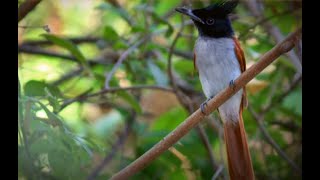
pixel 213 104
pixel 67 76
pixel 268 138
pixel 123 136
pixel 292 86
pixel 26 7
pixel 261 21
pixel 122 58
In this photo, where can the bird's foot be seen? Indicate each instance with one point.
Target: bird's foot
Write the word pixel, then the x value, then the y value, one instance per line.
pixel 232 84
pixel 204 104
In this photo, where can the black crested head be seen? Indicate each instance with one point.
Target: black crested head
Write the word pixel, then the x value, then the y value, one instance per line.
pixel 212 21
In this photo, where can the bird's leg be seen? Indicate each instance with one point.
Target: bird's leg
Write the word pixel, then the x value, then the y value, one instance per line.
pixel 202 106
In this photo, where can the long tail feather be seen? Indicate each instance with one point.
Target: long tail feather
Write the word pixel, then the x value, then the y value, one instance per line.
pixel 239 160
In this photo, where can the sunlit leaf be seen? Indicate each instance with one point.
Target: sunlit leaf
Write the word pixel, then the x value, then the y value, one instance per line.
pixel 34 88
pixel 131 100
pixel 170 119
pixel 37 88
pixel 70 46
pixel 109 34
pixel 105 6
pixel 52 116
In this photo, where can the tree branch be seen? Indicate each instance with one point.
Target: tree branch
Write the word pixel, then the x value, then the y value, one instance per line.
pixel 75 40
pixel 39 51
pixel 26 7
pixel 213 104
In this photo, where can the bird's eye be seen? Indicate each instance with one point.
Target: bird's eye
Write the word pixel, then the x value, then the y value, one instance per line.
pixel 210 21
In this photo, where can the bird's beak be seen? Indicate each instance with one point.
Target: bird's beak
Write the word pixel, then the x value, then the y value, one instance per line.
pixel 189 13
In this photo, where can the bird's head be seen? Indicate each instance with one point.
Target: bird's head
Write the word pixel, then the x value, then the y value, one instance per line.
pixel 212 21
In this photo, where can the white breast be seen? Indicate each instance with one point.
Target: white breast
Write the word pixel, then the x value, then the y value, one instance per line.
pixel 217 65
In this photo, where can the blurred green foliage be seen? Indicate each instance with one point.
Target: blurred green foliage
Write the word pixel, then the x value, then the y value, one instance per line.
pixel 63 139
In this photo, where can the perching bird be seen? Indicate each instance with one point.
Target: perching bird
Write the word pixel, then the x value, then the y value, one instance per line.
pixel 219 60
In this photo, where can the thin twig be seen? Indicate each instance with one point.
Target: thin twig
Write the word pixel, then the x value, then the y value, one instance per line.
pixel 75 40
pixel 26 7
pixel 217 173
pixel 170 71
pixel 212 105
pixel 273 31
pixel 123 136
pixel 290 126
pixel 122 58
pixel 45 27
pixel 31 47
pixel 186 55
pixel 113 89
pixel 263 20
pixel 205 140
pixel 39 51
pixel 273 103
pixel 67 76
pixel 268 138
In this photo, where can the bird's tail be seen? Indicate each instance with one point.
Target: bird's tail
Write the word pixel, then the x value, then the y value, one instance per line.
pixel 239 160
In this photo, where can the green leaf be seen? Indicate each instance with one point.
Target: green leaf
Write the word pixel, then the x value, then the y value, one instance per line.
pixel 53 100
pixel 131 100
pixel 105 6
pixel 119 45
pixel 158 75
pixel 109 34
pixel 34 88
pixel 52 116
pixel 136 29
pixel 71 47
pixel 185 67
pixel 294 102
pixel 160 20
pixel 170 119
pixel 163 6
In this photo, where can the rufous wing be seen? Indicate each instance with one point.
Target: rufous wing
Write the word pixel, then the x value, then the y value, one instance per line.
pixel 242 62
pixel 194 61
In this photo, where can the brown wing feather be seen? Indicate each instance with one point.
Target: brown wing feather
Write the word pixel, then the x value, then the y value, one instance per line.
pixel 238 154
pixel 194 61
pixel 242 61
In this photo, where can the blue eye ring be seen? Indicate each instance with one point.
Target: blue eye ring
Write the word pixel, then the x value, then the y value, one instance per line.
pixel 210 21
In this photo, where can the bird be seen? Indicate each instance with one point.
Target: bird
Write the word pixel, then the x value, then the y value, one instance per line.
pixel 219 60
